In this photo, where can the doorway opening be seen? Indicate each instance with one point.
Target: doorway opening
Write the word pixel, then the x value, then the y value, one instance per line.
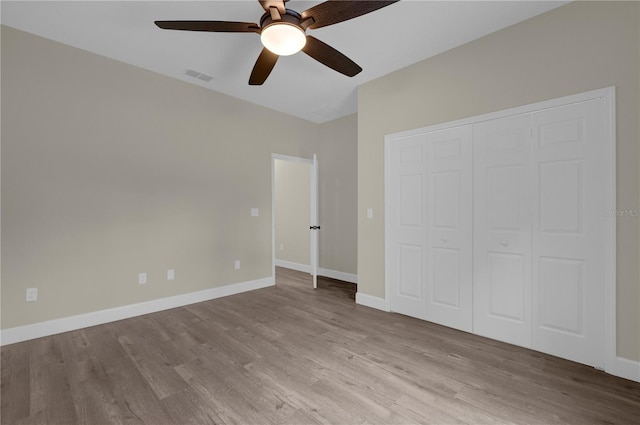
pixel 294 183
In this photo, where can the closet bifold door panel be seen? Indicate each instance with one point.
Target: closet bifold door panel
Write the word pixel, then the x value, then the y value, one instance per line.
pixel 568 204
pixel 502 229
pixel 429 216
pixel 406 219
pixel 449 221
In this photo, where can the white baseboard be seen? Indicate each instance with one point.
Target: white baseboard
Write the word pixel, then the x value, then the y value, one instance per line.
pixel 334 274
pixel 72 323
pixel 625 368
pixel 628 369
pixel 293 266
pixel 371 301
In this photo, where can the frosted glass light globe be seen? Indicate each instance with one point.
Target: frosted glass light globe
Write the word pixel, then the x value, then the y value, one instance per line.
pixel 283 39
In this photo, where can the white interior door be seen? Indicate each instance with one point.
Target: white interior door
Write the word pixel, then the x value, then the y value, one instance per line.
pixel 502 229
pixel 406 267
pixel 543 257
pixel 568 199
pixel 314 228
pixel 449 227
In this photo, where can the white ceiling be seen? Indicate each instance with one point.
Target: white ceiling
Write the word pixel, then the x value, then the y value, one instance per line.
pixel 380 42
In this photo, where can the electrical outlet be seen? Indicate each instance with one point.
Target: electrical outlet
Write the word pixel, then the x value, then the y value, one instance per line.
pixel 237 265
pixel 32 294
pixel 171 274
pixel 142 278
pixel 369 213
pixel 281 247
pixel 255 212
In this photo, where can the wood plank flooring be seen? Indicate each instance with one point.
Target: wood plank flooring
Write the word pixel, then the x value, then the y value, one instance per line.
pixel 290 354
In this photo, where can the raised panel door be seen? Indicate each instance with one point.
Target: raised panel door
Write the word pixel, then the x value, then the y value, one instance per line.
pixel 406 245
pixel 449 220
pixel 568 204
pixel 502 230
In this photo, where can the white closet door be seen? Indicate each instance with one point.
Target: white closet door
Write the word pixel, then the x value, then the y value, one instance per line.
pixel 406 245
pixel 568 232
pixel 502 229
pixel 449 221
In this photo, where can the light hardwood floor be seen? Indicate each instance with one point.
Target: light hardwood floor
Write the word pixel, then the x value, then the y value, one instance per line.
pixel 293 355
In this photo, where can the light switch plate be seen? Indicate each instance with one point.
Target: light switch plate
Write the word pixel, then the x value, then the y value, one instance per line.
pixel 369 213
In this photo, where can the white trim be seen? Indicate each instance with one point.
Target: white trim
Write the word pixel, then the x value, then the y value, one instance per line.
pixel 608 95
pixel 388 139
pixel 371 301
pixel 292 158
pixel 72 323
pixel 628 369
pixel 610 290
pixel 293 266
pixel 334 274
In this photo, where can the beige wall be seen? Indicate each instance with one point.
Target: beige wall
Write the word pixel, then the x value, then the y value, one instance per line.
pixel 109 170
pixel 293 211
pixel 338 194
pixel 578 47
pixel 337 151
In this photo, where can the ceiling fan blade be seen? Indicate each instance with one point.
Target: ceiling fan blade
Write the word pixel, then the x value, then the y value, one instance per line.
pixel 330 57
pixel 209 26
pixel 332 12
pixel 261 70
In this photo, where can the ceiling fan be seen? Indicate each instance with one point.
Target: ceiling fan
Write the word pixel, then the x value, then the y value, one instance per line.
pixel 282 32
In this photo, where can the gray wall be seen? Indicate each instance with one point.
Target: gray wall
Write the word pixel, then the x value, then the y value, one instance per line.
pixel 109 170
pixel 578 47
pixel 337 151
pixel 338 194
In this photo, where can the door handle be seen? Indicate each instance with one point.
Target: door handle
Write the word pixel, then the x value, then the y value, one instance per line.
pixel 314 228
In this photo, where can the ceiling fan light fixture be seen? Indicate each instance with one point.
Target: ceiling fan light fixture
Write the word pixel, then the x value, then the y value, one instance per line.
pixel 283 38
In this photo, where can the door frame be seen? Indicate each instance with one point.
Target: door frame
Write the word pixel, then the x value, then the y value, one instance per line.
pixel 313 219
pixel 608 95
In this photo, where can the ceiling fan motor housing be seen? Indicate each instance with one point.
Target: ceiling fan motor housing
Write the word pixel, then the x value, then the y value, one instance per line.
pixel 291 17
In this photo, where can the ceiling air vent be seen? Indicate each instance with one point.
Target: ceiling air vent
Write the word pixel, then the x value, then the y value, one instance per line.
pixel 199 75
